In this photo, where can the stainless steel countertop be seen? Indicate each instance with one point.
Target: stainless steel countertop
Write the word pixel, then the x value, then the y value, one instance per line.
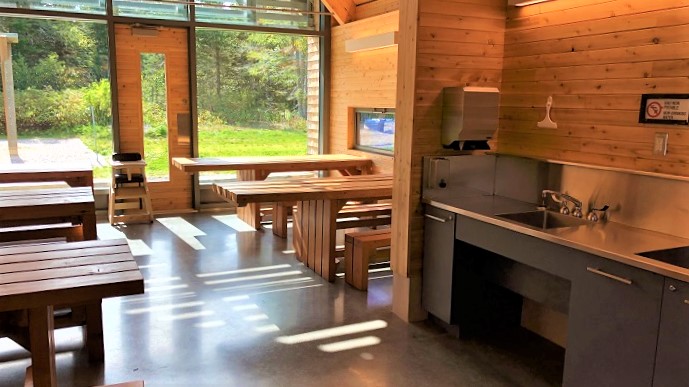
pixel 609 240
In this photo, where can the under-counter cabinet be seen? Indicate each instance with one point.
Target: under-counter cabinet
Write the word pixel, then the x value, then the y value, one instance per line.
pixel 438 263
pixel 613 325
pixel 672 368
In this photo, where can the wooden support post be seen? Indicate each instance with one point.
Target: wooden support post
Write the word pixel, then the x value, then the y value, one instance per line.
pixel 8 91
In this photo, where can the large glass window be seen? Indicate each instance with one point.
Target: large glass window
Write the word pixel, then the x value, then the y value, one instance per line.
pixel 77 6
pixel 273 13
pixel 375 130
pixel 62 92
pixel 253 93
pixel 150 9
pixel 154 102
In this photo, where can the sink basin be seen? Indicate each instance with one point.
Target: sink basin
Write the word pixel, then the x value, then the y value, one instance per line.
pixel 678 256
pixel 543 219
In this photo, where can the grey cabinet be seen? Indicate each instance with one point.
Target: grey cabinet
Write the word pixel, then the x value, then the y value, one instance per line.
pixel 613 323
pixel 438 262
pixel 673 336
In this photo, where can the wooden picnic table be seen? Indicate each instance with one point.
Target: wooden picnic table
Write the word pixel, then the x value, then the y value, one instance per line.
pixel 49 205
pixel 76 175
pixel 36 277
pixel 259 167
pixel 318 202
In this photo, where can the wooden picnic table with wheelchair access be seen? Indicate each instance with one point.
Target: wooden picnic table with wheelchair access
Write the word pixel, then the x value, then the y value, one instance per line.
pixel 259 167
pixel 318 202
pixel 34 278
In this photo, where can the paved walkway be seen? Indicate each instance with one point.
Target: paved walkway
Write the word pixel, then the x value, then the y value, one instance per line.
pixel 50 150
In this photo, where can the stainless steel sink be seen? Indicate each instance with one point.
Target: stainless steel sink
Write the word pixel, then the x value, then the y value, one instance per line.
pixel 678 256
pixel 543 219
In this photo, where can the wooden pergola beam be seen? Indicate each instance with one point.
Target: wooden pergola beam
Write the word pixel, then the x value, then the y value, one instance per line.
pixel 343 10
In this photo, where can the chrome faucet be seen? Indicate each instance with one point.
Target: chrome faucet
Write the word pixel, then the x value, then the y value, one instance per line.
pixel 562 199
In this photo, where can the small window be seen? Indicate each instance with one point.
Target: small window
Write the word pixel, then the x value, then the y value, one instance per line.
pixel 375 130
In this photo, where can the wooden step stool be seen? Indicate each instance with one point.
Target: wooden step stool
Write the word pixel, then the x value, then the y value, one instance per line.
pixel 361 249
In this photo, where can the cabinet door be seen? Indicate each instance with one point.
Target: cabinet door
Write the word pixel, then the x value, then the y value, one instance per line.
pixel 673 337
pixel 438 256
pixel 614 313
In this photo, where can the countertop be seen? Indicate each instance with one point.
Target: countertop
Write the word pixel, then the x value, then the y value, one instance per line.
pixel 609 240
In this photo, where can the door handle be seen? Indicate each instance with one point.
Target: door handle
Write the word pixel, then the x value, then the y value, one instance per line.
pixel 437 218
pixel 608 275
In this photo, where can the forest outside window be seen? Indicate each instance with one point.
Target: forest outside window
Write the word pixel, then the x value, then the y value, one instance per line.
pixel 375 130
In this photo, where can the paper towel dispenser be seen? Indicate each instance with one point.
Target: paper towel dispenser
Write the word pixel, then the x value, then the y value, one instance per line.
pixel 470 116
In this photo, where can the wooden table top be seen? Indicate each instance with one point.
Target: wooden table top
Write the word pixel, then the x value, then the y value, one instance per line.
pixel 272 163
pixel 38 275
pixel 32 185
pixel 378 186
pixel 31 168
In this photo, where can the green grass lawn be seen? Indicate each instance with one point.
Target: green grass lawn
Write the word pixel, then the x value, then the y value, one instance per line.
pixel 214 141
pixel 229 141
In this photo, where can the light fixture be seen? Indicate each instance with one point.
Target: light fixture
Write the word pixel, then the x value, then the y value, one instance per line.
pixel 521 3
pixel 373 42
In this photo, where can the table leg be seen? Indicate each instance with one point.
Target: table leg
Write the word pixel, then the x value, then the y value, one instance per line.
pixel 280 215
pixel 251 213
pixel 298 231
pixel 94 332
pixel 88 225
pixel 42 338
pixel 318 236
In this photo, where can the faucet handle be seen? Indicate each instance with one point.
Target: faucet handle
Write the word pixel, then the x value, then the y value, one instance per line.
pixel 577 212
pixel 593 216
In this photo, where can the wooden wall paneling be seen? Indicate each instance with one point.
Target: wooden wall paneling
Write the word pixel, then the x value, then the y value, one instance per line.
pixel 313 101
pixel 595 59
pixel 442 44
pixel 362 79
pixel 374 8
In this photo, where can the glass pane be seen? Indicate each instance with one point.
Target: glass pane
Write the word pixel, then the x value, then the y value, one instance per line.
pixel 150 10
pixel 154 101
pixel 278 14
pixel 78 6
pixel 252 93
pixel 61 93
pixel 375 131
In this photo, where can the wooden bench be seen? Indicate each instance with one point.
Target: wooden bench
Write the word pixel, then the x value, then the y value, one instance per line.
pixel 350 216
pixel 67 231
pixel 361 249
pixel 364 215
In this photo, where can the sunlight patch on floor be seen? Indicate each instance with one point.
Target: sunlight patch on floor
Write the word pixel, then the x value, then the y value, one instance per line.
pixel 333 332
pixel 233 222
pixel 184 230
pixel 349 344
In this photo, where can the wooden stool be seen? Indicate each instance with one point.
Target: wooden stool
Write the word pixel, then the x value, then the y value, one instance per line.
pixel 361 249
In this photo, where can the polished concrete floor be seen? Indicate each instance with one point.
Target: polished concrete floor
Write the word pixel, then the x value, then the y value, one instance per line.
pixel 230 306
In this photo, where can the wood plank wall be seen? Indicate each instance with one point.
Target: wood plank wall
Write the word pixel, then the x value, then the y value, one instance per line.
pixel 376 7
pixel 312 94
pixel 595 58
pixel 362 79
pixel 454 43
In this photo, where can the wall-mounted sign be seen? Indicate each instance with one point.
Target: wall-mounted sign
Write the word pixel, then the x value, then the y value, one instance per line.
pixel 672 109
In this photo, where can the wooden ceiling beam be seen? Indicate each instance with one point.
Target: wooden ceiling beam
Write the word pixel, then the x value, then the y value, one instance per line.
pixel 343 10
